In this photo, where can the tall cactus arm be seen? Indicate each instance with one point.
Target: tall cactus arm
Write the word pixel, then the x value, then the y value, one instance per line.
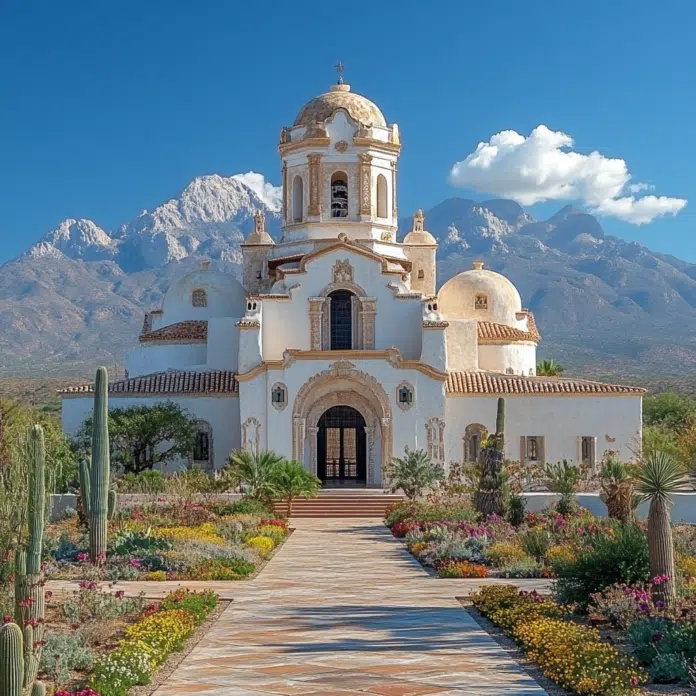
pixel 113 504
pixel 20 570
pixel 11 660
pixel 84 486
pixel 37 499
pixel 100 473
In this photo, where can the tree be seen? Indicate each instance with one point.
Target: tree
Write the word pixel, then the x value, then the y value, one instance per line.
pixel 549 368
pixel 669 409
pixel 657 480
pixel 490 497
pixel 290 480
pixel 414 473
pixel 254 472
pixel 617 489
pixel 143 437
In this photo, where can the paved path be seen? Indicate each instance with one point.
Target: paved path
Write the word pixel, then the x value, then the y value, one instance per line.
pixel 343 609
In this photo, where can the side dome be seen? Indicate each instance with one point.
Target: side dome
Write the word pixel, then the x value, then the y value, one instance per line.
pixel 204 294
pixel 481 295
pixel 359 108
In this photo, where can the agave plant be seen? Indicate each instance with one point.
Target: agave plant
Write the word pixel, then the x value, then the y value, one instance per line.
pixel 253 471
pixel 617 489
pixel 657 480
pixel 549 368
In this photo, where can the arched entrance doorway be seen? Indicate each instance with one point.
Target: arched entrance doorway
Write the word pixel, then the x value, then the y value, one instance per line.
pixel 341 450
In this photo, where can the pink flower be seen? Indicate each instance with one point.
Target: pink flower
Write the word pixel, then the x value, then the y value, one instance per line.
pixel 82 556
pixel 120 594
pixel 134 563
pixel 8 619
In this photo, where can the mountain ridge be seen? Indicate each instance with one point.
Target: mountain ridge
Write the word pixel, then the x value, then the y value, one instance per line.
pixel 604 305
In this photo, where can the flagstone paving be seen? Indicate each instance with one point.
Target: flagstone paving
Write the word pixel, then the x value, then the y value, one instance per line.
pixel 343 609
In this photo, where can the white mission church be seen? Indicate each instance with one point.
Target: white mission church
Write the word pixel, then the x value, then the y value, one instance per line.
pixel 339 351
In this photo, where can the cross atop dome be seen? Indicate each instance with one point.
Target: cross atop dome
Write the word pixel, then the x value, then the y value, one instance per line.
pixel 339 69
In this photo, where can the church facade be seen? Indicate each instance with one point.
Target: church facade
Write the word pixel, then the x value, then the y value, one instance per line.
pixel 339 350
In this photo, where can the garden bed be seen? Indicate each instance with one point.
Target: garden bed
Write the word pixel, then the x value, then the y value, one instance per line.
pixel 159 542
pixel 99 641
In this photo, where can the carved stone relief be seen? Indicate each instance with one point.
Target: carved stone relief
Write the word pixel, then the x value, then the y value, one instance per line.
pixel 342 272
pixel 368 314
pixel 435 435
pixel 314 185
pixel 251 435
pixel 316 305
pixel 365 184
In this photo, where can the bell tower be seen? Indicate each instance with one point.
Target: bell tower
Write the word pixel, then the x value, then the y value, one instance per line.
pixel 339 163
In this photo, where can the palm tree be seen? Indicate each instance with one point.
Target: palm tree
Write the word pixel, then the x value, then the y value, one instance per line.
pixel 657 480
pixel 254 472
pixel 414 473
pixel 549 368
pixel 291 480
pixel 617 489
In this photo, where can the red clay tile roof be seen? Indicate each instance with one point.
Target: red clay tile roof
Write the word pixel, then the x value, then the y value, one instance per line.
pixel 496 333
pixel 181 332
pixel 169 382
pixel 498 383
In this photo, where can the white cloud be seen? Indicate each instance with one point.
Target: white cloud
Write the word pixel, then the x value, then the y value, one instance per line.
pixel 541 167
pixel 269 194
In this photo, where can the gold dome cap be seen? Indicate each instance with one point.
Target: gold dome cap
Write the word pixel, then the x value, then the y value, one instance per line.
pixel 359 108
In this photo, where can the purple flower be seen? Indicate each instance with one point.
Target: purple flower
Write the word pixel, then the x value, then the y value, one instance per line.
pixel 657 637
pixel 659 604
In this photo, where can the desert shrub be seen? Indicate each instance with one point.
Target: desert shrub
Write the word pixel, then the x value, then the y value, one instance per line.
pixel 205 532
pixel 457 548
pixel 155 575
pixel 273 532
pixel 62 654
pixel 536 543
pixel 621 605
pixel 524 567
pixel 245 506
pixel 686 565
pixel 620 556
pixel 560 553
pixel 563 478
pixel 65 549
pixel 218 569
pixel 150 481
pixel 462 569
pixel 515 509
pixel 454 511
pixel 503 553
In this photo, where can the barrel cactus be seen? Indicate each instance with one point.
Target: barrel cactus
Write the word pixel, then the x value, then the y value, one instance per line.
pixel 11 660
pixel 98 501
pixel 29 582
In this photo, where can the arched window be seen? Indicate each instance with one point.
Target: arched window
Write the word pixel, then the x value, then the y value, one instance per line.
pixel 297 198
pixel 474 434
pixel 339 195
pixel 381 196
pixel 341 327
pixel 201 447
pixel 199 298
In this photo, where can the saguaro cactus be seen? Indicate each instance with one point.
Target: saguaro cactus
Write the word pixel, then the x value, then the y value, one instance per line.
pixel 29 592
pixel 11 660
pixel 98 501
pixel 500 424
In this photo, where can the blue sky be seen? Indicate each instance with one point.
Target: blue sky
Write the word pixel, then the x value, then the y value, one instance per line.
pixel 109 108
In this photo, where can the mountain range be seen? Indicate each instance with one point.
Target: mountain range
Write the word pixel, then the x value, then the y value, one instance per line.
pixel 604 306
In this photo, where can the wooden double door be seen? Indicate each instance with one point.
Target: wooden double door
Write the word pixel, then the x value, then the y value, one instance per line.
pixel 341 451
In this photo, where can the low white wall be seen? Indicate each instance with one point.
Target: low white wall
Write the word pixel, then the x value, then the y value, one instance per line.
pixel 683 507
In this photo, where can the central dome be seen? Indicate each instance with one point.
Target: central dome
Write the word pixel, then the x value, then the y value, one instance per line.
pixel 358 107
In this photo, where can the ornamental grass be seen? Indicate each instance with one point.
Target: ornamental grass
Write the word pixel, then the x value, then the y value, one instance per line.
pixel 572 655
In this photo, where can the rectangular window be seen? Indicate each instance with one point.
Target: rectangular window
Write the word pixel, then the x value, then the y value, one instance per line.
pixel 201 448
pixel 587 448
pixel 534 447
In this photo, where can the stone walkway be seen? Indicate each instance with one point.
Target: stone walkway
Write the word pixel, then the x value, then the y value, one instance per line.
pixel 343 609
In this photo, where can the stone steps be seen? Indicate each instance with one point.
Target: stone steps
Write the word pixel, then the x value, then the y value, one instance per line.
pixel 343 504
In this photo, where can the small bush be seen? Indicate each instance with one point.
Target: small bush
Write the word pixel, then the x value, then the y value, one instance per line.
pixel 620 556
pixel 263 544
pixel 503 553
pixel 199 604
pixel 149 482
pixel 536 543
pixel 62 654
pixel 654 638
pixel 462 569
pixel 525 567
pixel 245 506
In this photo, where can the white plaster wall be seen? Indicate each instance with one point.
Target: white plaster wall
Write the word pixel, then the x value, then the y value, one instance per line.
pixel 252 404
pixel 145 359
pixel 221 412
pixel 520 357
pixel 226 297
pixel 434 351
pixel 559 419
pixel 286 325
pixel 223 344
pixel 462 340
